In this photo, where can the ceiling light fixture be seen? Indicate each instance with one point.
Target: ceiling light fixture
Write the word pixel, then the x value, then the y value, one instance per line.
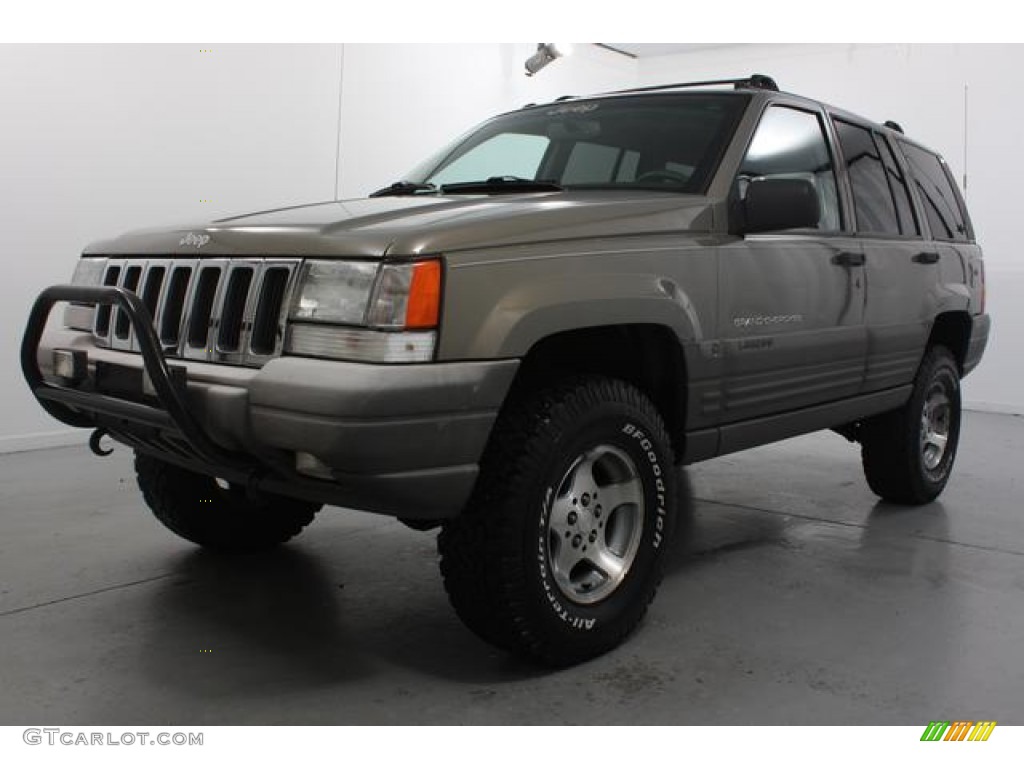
pixel 546 53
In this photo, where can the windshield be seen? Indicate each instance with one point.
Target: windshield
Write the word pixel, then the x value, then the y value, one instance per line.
pixel 664 142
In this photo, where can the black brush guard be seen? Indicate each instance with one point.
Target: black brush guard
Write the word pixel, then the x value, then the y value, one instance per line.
pixel 80 409
pixel 168 430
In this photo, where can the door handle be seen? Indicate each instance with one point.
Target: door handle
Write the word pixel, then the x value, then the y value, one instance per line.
pixel 849 259
pixel 926 257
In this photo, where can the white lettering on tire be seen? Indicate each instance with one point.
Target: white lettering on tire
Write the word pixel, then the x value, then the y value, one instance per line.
pixel 647 447
pixel 550 591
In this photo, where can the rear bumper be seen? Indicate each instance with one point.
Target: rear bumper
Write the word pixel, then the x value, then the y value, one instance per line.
pixel 401 440
pixel 980 326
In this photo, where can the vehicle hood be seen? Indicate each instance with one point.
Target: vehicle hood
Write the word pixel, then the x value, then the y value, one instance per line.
pixel 409 226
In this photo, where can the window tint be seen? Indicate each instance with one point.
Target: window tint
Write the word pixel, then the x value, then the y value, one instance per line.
pixel 872 198
pixel 507 154
pixel 790 144
pixel 904 208
pixel 664 142
pixel 937 194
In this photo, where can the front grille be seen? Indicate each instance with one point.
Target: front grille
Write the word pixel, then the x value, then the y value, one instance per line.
pixel 219 310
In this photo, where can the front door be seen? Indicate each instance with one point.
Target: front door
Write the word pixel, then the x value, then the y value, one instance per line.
pixel 791 304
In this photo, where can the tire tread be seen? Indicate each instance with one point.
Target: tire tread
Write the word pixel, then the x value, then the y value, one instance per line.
pixel 481 560
pixel 233 522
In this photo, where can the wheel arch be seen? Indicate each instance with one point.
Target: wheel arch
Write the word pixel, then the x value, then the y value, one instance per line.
pixel 646 355
pixel 952 330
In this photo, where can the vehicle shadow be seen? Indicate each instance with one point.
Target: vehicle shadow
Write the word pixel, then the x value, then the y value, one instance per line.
pixel 291 619
pixel 280 621
pixel 271 620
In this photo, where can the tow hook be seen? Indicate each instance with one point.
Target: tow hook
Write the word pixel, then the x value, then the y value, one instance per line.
pixel 94 442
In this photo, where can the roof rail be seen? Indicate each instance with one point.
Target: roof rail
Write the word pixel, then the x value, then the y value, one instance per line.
pixel 763 82
pixel 893 125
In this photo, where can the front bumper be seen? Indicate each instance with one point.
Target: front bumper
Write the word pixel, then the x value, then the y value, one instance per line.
pixel 402 440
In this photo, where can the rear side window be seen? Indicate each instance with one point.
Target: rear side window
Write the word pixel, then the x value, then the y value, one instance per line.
pixel 790 144
pixel 873 198
pixel 939 198
pixel 898 185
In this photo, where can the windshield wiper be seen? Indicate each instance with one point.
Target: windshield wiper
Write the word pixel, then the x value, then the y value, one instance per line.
pixel 404 188
pixel 501 184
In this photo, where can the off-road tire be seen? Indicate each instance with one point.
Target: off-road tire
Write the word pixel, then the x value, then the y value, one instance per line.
pixel 497 557
pixel 895 448
pixel 198 509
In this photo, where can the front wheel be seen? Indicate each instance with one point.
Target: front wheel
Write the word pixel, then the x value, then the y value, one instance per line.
pixel 559 551
pixel 218 515
pixel 908 453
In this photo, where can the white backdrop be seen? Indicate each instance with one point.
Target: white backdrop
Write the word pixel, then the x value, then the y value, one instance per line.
pixel 95 140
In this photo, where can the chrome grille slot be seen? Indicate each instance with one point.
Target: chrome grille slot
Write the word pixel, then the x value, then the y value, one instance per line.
pixel 151 288
pixel 202 308
pixel 103 311
pixel 130 282
pixel 216 309
pixel 233 308
pixel 169 327
pixel 269 309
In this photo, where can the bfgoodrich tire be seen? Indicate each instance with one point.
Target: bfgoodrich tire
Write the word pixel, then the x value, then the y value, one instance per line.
pixel 559 551
pixel 908 453
pixel 203 511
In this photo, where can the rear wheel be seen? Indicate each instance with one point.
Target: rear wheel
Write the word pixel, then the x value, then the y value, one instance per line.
pixel 559 551
pixel 217 514
pixel 908 453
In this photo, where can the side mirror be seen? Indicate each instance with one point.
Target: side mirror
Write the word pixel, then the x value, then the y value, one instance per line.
pixel 774 204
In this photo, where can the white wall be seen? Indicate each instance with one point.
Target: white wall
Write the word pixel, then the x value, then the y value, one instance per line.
pixel 95 140
pixel 922 88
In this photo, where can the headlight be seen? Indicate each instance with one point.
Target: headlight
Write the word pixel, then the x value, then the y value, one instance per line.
pixel 335 291
pixel 351 310
pixel 88 271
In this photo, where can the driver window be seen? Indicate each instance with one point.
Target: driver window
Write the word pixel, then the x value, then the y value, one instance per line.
pixel 790 144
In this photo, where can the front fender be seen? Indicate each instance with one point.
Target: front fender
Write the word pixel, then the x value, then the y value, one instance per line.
pixel 538 308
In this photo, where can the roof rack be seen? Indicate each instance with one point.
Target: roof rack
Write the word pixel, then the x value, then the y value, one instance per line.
pixel 763 82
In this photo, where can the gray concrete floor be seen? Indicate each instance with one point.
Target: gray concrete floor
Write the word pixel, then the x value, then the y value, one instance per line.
pixel 792 596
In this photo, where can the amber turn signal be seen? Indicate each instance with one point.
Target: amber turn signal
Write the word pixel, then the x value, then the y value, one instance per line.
pixel 424 307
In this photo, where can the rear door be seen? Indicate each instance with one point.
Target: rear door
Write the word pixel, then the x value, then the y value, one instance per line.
pixel 791 303
pixel 902 267
pixel 949 226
